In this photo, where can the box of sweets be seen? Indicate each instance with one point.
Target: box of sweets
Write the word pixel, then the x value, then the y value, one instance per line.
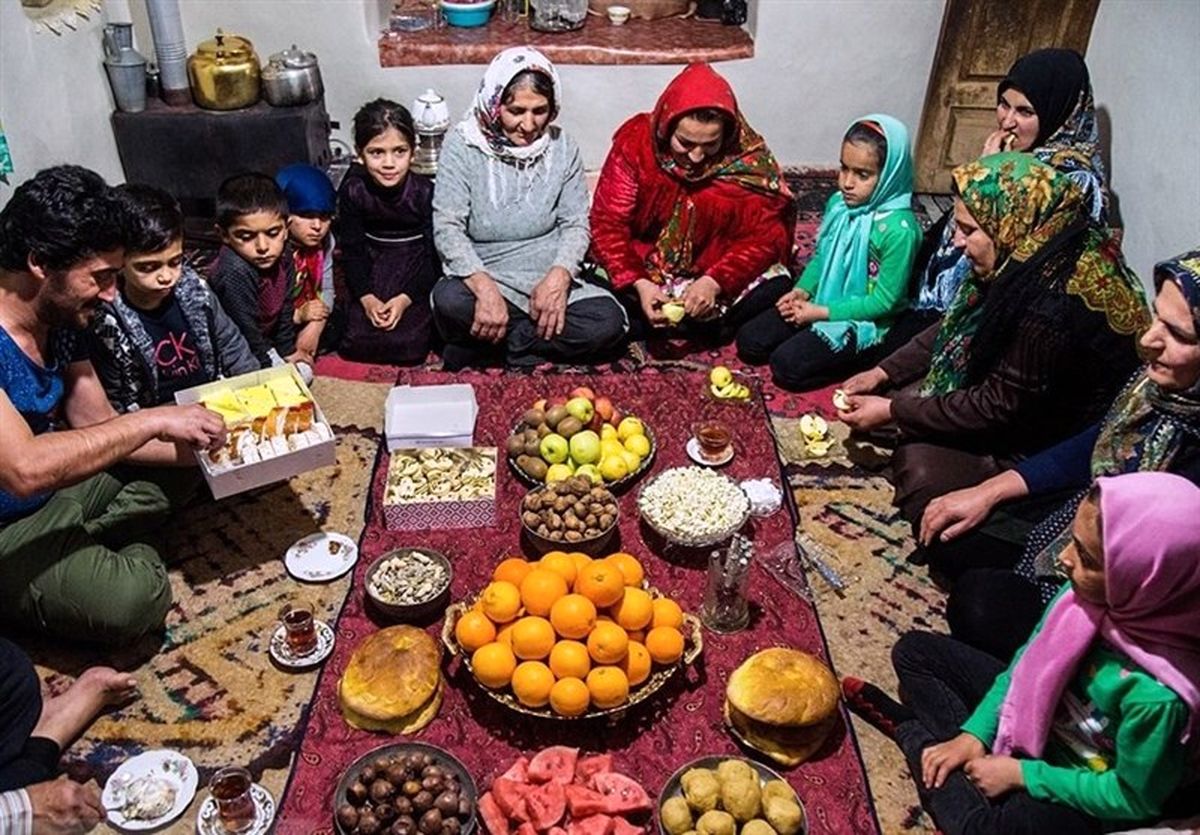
pixel 441 487
pixel 276 430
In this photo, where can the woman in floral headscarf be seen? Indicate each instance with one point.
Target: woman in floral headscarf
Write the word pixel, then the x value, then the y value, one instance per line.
pixel 510 223
pixel 1153 425
pixel 1044 107
pixel 1036 344
pixel 691 209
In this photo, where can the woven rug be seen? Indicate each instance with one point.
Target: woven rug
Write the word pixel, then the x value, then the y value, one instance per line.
pixel 678 724
pixel 847 518
pixel 207 687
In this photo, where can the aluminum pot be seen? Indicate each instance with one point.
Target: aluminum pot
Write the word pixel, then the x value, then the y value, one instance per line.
pixel 292 77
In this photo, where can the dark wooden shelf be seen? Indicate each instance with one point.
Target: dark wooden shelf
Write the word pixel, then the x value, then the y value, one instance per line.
pixel 667 41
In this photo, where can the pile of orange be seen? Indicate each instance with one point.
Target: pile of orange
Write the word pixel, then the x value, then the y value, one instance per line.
pixel 570 631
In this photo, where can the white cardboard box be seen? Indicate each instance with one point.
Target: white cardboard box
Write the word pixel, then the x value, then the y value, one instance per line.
pixel 245 477
pixel 430 416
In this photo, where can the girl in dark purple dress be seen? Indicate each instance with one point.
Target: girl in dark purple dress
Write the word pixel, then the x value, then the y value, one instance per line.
pixel 384 229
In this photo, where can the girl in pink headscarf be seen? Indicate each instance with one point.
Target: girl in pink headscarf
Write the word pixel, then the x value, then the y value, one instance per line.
pixel 1092 723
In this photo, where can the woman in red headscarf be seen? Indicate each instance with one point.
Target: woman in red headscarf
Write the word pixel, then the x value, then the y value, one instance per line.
pixel 691 210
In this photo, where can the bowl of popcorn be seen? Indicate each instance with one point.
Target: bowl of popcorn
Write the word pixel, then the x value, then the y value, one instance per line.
pixel 693 506
pixel 409 584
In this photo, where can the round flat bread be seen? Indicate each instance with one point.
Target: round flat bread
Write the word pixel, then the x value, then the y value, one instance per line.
pixel 392 674
pixel 781 686
pixel 786 746
pixel 401 725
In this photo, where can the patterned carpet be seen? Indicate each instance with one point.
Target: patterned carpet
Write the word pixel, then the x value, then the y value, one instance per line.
pixel 208 687
pixel 209 690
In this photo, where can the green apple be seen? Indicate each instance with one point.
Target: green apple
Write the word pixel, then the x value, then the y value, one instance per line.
pixel 554 448
pixel 582 409
pixel 674 312
pixel 591 471
pixel 585 447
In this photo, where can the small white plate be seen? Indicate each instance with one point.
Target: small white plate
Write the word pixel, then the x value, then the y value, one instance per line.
pixel 285 658
pixel 208 821
pixel 693 451
pixel 171 766
pixel 321 557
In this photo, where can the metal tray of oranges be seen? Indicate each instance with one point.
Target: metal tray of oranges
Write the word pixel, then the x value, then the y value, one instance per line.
pixel 659 675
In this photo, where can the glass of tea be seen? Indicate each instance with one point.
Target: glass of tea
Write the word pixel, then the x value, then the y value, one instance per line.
pixel 230 787
pixel 297 619
pixel 714 438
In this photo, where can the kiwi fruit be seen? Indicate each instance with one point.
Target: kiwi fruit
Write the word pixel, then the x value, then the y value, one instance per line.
pixel 515 445
pixel 556 415
pixel 533 467
pixel 533 448
pixel 569 426
pixel 533 417
pixel 544 429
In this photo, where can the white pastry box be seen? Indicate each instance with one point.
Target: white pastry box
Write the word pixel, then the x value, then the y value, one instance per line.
pixel 276 430
pixel 430 416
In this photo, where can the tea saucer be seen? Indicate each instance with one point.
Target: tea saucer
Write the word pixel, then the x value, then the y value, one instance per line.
pixel 321 557
pixel 693 451
pixel 283 656
pixel 172 767
pixel 208 821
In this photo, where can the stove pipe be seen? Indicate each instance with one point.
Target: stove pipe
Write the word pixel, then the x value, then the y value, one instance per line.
pixel 167 27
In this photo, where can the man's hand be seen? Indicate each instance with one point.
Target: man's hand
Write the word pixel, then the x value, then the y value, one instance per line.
pixel 548 303
pixel 700 297
pixel 63 806
pixel 939 761
pixel 374 308
pixel 312 311
pixel 192 424
pixel 393 309
pixel 866 382
pixel 867 411
pixel 491 310
pixel 652 298
pixel 955 513
pixel 995 776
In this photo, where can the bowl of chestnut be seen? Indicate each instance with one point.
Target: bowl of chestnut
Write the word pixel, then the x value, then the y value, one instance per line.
pixel 406 789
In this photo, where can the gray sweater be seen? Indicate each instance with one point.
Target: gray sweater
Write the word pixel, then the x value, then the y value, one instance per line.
pixel 514 223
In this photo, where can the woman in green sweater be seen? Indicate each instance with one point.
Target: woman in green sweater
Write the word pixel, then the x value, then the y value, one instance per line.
pixel 1093 723
pixel 825 325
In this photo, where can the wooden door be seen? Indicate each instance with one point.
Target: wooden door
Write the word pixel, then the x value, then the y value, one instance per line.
pixel 979 41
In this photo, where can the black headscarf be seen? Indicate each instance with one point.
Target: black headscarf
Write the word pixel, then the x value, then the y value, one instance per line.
pixel 1052 80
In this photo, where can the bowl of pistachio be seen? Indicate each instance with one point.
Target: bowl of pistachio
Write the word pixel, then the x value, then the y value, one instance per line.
pixel 409 585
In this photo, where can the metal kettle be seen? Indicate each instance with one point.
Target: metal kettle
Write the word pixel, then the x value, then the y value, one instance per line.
pixel 292 77
pixel 224 73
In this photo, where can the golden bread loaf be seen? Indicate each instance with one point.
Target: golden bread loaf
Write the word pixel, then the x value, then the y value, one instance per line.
pixel 782 702
pixel 393 681
pixel 785 687
pixel 786 746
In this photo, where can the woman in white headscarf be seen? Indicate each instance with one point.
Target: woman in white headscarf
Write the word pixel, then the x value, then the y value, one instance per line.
pixel 510 221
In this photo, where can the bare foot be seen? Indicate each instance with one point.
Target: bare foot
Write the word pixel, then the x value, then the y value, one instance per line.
pixel 65 717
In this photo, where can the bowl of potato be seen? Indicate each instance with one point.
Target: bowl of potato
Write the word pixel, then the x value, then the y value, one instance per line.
pixel 729 796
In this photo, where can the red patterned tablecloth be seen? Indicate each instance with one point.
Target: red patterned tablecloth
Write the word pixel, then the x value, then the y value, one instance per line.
pixel 683 720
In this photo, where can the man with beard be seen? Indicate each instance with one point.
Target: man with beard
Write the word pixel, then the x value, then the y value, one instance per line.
pixel 81 488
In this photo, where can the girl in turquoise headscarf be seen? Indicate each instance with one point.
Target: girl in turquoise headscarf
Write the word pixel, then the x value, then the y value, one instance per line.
pixel 826 325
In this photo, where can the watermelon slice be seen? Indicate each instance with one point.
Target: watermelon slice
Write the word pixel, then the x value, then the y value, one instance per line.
pixel 547 805
pixel 624 827
pixel 556 763
pixel 508 794
pixel 518 772
pixel 583 802
pixel 493 818
pixel 557 830
pixel 623 794
pixel 526 829
pixel 593 825
pixel 587 767
pixel 520 812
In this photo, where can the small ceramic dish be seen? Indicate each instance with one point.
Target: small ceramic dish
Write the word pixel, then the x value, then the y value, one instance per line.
pixel 321 557
pixel 418 606
pixel 173 768
pixel 618 15
pixel 694 452
pixel 208 820
pixel 282 654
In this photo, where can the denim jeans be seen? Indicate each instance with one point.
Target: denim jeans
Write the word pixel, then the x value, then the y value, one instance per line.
pixel 941 681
